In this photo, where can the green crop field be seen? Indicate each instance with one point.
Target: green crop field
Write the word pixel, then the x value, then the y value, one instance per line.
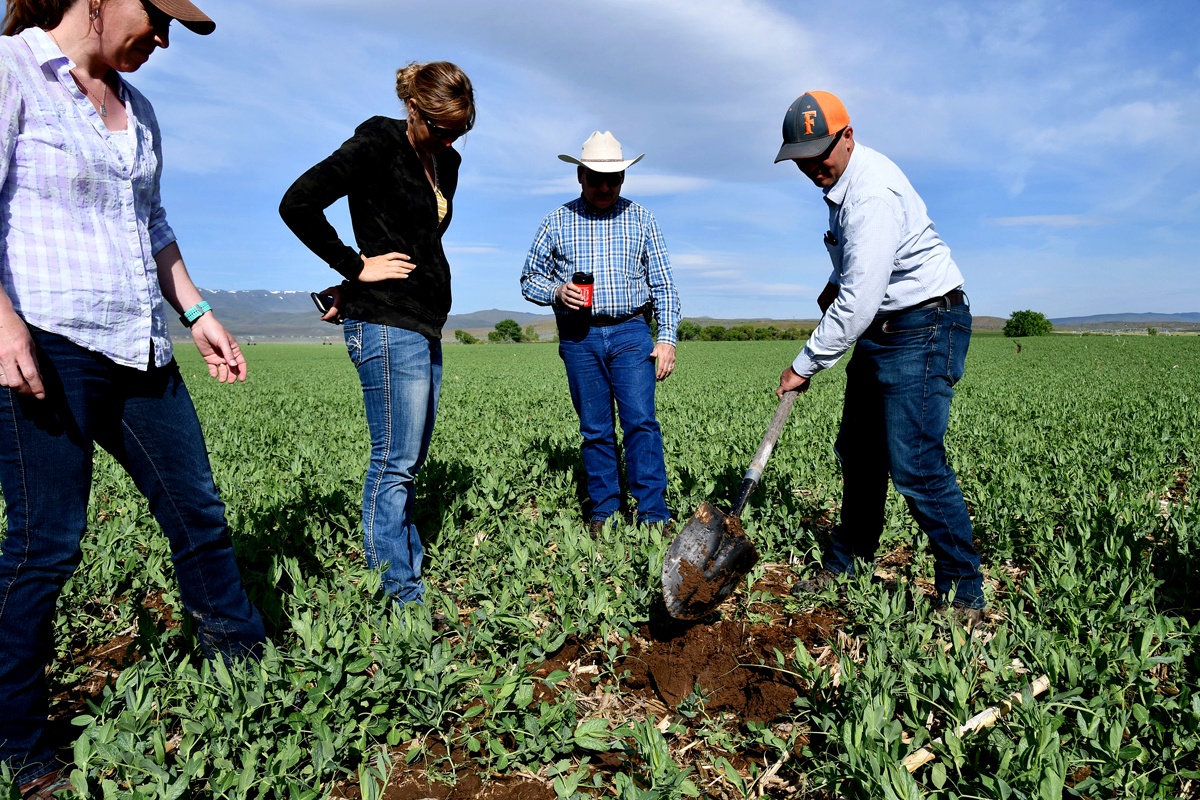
pixel 559 675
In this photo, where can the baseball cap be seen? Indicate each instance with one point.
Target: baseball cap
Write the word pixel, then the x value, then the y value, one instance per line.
pixel 188 15
pixel 810 124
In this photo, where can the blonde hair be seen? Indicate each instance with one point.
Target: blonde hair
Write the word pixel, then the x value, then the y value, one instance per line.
pixel 440 89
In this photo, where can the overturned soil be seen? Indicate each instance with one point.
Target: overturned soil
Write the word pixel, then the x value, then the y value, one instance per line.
pixel 733 663
pixel 467 787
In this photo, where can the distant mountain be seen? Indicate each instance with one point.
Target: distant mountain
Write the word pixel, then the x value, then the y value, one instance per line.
pixel 489 318
pixel 1107 319
pixel 291 316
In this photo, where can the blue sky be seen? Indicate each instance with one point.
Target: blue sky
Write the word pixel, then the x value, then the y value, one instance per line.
pixel 1055 143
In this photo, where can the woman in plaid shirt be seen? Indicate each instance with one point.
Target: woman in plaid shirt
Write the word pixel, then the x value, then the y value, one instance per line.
pixel 87 260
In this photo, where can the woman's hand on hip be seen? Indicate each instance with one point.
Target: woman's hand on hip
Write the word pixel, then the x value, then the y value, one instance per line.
pixel 393 266
pixel 18 357
pixel 219 349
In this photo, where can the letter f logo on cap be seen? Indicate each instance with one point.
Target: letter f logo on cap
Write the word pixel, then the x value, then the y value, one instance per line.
pixel 810 124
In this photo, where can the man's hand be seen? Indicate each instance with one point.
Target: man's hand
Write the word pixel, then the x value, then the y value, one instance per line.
pixel 18 358
pixel 334 315
pixel 664 360
pixel 828 296
pixel 393 266
pixel 569 295
pixel 790 381
pixel 218 347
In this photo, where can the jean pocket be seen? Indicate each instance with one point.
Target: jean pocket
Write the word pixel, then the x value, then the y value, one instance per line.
pixel 901 328
pixel 353 331
pixel 960 341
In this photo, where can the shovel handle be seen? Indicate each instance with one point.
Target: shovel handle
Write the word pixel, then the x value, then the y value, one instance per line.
pixel 754 474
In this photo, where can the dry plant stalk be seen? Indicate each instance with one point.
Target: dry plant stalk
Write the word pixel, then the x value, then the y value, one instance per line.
pixel 980 720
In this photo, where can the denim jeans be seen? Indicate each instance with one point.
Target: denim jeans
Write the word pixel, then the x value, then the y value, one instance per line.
pixel 606 363
pixel 401 376
pixel 899 385
pixel 146 420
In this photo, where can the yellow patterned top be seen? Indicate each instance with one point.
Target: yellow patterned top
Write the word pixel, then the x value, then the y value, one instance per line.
pixel 437 192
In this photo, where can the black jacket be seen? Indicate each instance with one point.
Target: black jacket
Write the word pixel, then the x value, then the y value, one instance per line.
pixel 393 209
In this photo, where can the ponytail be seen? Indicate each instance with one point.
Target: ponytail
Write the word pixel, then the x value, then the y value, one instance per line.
pixel 22 14
pixel 440 89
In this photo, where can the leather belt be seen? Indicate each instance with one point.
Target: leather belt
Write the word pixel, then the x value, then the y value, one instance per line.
pixel 604 321
pixel 955 298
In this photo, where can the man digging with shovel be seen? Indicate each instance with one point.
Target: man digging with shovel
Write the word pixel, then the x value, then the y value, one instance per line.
pixel 897 293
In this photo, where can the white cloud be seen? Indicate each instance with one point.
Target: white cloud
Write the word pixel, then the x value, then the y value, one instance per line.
pixel 1054 221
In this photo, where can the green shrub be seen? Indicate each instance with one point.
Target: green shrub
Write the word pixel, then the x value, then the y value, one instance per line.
pixel 1027 323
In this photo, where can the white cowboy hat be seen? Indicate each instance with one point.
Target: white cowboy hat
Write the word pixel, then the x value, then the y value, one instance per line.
pixel 602 153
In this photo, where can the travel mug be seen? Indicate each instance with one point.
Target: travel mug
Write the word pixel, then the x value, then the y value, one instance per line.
pixel 583 281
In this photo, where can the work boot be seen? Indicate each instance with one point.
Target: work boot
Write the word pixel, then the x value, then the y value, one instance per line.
pixel 818 583
pixel 595 527
pixel 46 787
pixel 969 618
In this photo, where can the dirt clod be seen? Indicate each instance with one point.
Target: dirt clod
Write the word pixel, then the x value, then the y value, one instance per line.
pixel 731 662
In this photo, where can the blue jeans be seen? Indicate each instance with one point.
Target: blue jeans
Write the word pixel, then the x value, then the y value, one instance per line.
pixel 899 385
pixel 606 363
pixel 401 376
pixel 146 420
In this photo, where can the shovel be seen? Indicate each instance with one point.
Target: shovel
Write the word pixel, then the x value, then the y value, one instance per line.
pixel 712 553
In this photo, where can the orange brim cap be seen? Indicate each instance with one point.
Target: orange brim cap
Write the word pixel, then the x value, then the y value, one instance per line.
pixel 188 15
pixel 810 124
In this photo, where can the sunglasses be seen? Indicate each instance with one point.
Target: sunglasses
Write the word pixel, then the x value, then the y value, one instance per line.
pixel 158 17
pixel 438 132
pixel 598 179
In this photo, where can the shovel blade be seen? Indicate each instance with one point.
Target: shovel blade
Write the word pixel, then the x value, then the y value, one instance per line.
pixel 705 562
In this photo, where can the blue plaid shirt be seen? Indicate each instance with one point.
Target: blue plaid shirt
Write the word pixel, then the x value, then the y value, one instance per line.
pixel 622 248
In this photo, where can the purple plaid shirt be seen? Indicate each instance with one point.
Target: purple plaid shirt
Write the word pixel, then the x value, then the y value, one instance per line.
pixel 80 214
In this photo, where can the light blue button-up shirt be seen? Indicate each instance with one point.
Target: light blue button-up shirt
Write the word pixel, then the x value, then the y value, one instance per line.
pixel 886 256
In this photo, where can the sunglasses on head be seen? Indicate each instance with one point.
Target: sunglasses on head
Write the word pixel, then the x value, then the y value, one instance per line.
pixel 598 179
pixel 438 132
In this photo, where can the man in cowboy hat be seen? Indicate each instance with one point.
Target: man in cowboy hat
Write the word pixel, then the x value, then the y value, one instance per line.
pixel 601 263
pixel 897 293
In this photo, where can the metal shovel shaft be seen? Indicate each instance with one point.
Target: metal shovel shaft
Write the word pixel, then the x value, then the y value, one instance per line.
pixel 712 552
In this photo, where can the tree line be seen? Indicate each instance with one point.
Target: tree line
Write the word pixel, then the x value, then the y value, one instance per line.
pixel 1019 324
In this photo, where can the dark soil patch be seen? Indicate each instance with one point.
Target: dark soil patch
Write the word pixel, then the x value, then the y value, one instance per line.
pixel 469 786
pixel 730 661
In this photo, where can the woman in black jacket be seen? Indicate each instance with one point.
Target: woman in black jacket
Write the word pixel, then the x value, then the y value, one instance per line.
pixel 399 178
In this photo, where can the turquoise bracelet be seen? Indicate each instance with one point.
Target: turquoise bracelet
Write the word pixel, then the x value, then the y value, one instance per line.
pixel 189 317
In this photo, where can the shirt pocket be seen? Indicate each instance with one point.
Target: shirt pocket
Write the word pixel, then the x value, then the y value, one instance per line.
pixel 835 254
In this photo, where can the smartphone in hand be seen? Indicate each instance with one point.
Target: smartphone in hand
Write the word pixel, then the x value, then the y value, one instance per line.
pixel 323 302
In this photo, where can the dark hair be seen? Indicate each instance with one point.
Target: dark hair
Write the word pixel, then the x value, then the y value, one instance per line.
pixel 440 89
pixel 22 14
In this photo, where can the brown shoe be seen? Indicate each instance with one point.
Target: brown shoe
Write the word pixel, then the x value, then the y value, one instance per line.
pixel 969 618
pixel 595 526
pixel 816 584
pixel 45 787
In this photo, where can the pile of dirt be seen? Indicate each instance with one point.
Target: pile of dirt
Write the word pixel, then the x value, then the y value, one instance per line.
pixel 733 663
pixel 467 787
